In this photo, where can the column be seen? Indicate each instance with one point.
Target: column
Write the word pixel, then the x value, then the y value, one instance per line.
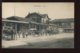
pixel 23 31
pixel 16 31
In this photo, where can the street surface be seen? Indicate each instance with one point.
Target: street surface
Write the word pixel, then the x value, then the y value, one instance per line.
pixel 62 40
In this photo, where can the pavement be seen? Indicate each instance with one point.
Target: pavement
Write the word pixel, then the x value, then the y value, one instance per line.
pixel 62 40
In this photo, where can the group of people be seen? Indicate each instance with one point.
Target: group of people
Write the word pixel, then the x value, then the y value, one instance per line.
pixel 13 35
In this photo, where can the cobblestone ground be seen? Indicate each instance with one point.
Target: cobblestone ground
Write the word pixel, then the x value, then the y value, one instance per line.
pixel 62 40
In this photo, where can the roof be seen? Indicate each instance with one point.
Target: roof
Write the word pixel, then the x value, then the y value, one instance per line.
pixel 63 20
pixel 38 14
pixel 14 21
pixel 34 13
pixel 16 18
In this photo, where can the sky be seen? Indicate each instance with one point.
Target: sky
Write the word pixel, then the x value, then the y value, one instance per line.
pixel 54 10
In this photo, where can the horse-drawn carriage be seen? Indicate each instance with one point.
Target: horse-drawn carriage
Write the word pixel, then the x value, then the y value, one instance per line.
pixel 8 33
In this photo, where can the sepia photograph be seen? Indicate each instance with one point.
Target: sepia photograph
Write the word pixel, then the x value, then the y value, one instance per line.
pixel 37 25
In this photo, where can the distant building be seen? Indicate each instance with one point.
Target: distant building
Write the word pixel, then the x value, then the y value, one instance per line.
pixel 67 25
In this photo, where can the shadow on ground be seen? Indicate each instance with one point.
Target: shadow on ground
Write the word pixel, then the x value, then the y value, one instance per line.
pixel 59 43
